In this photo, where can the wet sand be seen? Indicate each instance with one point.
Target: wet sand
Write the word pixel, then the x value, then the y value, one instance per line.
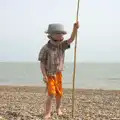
pixel 27 103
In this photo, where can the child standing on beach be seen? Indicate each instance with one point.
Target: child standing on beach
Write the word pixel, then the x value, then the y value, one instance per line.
pixel 51 59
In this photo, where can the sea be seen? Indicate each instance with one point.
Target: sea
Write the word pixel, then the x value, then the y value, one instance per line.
pixel 104 76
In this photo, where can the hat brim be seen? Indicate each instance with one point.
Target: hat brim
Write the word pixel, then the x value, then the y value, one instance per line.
pixel 55 32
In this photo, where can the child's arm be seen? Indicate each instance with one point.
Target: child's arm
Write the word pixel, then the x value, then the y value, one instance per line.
pixel 42 67
pixel 74 32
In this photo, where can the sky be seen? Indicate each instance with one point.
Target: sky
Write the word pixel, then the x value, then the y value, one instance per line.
pixel 23 24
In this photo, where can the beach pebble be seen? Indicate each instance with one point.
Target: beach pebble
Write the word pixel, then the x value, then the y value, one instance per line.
pixel 27 103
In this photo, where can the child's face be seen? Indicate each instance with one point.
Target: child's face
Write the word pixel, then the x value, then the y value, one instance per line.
pixel 58 36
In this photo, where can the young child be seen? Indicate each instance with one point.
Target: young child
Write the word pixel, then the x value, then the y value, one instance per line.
pixel 51 59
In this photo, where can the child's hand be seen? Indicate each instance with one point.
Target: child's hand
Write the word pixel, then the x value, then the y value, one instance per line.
pixel 76 25
pixel 45 79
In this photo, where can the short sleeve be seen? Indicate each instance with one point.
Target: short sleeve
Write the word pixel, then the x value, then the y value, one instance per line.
pixel 42 55
pixel 65 45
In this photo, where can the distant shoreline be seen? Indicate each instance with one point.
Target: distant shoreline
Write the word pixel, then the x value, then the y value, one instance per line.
pixel 88 75
pixel 41 87
pixel 65 62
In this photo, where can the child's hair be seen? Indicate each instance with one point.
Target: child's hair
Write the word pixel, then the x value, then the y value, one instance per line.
pixel 49 36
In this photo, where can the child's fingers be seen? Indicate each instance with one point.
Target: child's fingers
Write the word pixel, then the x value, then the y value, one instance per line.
pixel 45 80
pixel 76 24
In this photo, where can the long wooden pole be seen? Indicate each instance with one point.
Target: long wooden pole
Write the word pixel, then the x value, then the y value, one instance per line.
pixel 74 70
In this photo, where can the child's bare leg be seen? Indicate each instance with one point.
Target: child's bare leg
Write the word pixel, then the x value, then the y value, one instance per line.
pixel 48 107
pixel 58 103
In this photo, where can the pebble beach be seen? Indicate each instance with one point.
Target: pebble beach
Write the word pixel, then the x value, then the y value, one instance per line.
pixel 27 103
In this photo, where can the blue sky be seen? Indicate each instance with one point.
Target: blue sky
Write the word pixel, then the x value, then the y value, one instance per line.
pixel 23 22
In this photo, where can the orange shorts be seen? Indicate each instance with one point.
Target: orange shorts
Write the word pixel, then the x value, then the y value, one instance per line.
pixel 54 85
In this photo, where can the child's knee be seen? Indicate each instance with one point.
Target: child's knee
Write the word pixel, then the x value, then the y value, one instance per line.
pixel 58 96
pixel 51 96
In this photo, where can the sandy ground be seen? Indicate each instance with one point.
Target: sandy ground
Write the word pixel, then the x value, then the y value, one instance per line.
pixel 27 103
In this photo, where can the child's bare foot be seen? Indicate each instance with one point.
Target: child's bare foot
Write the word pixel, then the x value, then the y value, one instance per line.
pixel 47 116
pixel 59 112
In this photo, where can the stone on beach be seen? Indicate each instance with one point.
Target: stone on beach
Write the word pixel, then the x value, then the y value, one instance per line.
pixel 27 103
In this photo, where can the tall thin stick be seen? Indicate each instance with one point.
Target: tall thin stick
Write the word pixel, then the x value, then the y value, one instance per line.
pixel 74 71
